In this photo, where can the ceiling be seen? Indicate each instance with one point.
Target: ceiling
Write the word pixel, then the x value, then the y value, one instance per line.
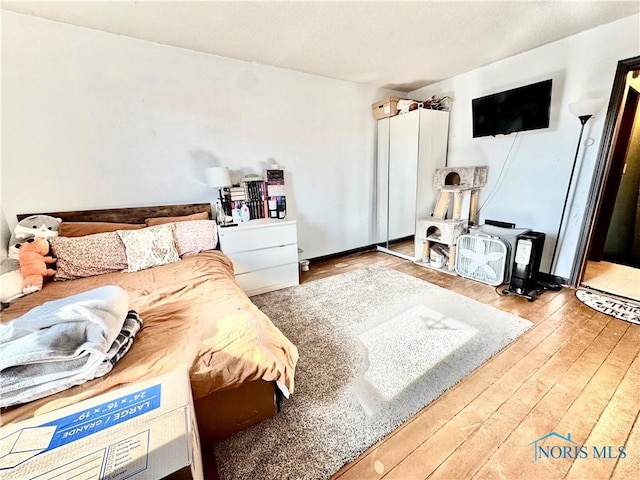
pixel 397 45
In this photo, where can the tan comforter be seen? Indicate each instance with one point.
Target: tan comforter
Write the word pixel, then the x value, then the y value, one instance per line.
pixel 195 316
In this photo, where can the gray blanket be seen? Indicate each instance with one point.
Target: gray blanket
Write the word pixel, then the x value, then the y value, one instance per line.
pixel 59 344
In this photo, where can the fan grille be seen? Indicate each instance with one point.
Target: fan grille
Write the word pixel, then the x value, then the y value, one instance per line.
pixel 481 258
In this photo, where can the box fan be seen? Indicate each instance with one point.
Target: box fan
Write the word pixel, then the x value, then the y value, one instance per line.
pixel 482 258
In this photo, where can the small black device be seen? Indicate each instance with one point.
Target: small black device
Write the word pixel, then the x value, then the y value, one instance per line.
pixel 515 110
pixel 498 223
pixel 526 264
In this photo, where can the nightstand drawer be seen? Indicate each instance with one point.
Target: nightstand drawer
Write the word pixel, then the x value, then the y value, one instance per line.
pixel 256 235
pixel 261 281
pixel 264 254
pixel 266 258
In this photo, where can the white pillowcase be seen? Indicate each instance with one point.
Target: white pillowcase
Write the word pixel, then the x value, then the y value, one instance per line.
pixel 149 247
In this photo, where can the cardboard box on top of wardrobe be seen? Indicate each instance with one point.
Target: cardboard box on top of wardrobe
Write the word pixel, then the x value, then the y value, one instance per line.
pixel 146 430
pixel 385 108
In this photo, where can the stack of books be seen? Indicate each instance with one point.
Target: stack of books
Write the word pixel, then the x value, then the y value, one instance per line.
pixel 276 194
pixel 275 183
pixel 264 199
pixel 236 194
pixel 255 198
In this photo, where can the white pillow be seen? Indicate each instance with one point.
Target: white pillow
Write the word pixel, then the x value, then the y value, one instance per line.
pixel 195 236
pixel 149 247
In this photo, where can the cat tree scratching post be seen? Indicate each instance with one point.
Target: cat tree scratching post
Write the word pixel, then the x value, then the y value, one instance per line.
pixel 439 233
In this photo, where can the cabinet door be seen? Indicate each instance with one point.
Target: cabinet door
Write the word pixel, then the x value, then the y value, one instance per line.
pixel 434 129
pixel 403 167
pixel 382 179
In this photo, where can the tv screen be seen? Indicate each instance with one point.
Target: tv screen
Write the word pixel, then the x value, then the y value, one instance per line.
pixel 523 108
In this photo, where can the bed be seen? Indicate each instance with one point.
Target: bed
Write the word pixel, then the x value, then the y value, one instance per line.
pixel 195 316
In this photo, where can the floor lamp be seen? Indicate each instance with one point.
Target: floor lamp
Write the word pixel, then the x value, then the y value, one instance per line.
pixel 584 110
pixel 218 177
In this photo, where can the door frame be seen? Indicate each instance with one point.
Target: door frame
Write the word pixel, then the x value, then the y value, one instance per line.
pixel 611 187
pixel 602 169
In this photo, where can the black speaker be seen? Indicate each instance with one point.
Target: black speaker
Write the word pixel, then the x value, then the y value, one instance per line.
pixel 526 263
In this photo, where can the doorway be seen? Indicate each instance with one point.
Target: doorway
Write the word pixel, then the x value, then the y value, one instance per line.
pixel 611 251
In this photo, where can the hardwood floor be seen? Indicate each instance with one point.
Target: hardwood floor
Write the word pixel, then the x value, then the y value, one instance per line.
pixel 620 280
pixel 575 372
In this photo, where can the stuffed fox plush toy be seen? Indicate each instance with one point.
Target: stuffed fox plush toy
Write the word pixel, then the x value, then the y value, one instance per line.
pixel 33 264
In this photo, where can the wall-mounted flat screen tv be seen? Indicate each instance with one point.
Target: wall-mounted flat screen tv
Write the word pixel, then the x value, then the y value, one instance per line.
pixel 516 110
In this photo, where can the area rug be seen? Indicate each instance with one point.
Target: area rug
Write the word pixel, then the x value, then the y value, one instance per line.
pixel 612 306
pixel 375 347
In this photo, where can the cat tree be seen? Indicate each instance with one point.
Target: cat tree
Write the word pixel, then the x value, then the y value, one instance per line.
pixel 436 236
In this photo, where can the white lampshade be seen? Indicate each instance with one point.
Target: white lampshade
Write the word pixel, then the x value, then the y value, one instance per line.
pixel 217 177
pixel 586 108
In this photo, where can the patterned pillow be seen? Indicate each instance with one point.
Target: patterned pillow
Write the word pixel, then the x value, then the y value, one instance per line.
pixel 195 236
pixel 90 255
pixel 149 247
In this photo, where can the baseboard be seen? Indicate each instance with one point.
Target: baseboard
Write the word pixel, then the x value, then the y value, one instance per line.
pixel 366 248
pixel 345 253
pixel 397 254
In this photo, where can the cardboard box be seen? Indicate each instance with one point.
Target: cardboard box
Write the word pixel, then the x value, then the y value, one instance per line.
pixel 146 430
pixel 385 108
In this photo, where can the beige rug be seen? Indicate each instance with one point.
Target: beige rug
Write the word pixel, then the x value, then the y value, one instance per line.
pixel 375 346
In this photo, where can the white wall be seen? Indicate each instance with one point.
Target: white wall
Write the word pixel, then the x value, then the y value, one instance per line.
pixel 96 120
pixel 533 185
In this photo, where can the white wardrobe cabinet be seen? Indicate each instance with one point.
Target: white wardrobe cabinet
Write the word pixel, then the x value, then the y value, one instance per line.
pixel 410 147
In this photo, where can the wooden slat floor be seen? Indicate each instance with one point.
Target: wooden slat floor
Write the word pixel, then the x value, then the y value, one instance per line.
pixel 614 278
pixel 576 371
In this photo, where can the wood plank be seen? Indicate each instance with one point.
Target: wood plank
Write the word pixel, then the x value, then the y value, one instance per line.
pixel 630 466
pixel 614 278
pixel 585 412
pixel 614 426
pixel 513 458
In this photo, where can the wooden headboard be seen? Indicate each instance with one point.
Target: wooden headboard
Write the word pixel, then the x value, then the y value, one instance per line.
pixel 127 215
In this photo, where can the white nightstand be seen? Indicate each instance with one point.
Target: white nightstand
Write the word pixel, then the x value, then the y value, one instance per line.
pixel 264 254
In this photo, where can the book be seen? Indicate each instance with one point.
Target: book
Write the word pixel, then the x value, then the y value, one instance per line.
pixel 275 183
pixel 255 197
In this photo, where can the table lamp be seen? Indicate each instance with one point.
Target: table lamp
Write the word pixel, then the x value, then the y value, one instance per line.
pixel 218 177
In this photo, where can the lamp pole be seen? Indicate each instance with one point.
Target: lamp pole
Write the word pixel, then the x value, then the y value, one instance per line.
pixel 583 120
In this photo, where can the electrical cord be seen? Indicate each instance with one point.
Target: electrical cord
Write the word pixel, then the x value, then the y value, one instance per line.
pixel 500 177
pixel 500 292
